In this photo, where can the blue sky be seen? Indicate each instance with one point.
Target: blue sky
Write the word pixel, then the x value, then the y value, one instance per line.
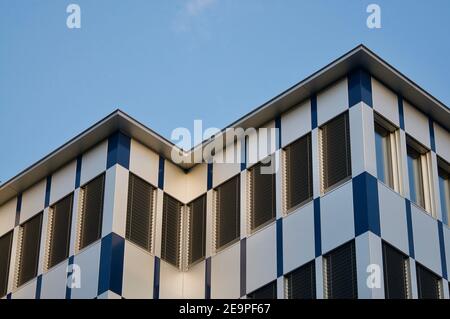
pixel 167 63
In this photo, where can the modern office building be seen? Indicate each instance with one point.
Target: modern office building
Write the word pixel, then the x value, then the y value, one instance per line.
pixel 357 207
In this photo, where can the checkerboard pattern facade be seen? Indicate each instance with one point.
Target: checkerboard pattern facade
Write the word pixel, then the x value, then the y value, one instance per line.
pixel 362 210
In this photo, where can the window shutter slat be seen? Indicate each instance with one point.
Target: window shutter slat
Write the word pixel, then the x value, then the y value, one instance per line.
pixel 60 232
pixel 267 292
pixel 171 232
pixel 29 252
pixel 336 160
pixel 5 257
pixel 140 212
pixel 263 206
pixel 228 212
pixel 92 211
pixel 340 271
pixel 302 283
pixel 428 284
pixel 396 273
pixel 299 171
pixel 197 223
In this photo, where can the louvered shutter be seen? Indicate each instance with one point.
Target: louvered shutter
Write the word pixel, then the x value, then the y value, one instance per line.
pixel 396 273
pixel 171 230
pixel 267 292
pixel 340 266
pixel 263 207
pixel 299 171
pixel 60 231
pixel 335 151
pixel 92 211
pixel 197 225
pixel 428 284
pixel 139 227
pixel 5 257
pixel 29 250
pixel 301 283
pixel 228 212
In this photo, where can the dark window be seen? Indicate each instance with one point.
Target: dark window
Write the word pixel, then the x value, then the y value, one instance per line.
pixel 262 195
pixel 171 230
pixel 139 228
pixel 29 249
pixel 91 211
pixel 228 212
pixel 61 222
pixel 415 177
pixel 267 292
pixel 428 284
pixel 299 172
pixel 340 273
pixel 301 283
pixel 5 257
pixel 444 189
pixel 335 152
pixel 396 273
pixel 197 229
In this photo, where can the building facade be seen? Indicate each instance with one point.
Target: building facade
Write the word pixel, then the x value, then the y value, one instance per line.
pixel 357 207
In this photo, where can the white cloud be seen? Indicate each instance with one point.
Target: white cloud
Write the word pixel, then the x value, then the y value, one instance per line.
pixel 191 10
pixel 196 7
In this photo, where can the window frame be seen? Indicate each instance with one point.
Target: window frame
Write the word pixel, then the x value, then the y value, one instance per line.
pixel 419 162
pixel 406 266
pixel 288 277
pixel 188 224
pixel 392 156
pixel 179 246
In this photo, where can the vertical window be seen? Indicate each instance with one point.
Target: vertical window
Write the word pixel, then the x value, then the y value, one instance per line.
pixel 60 223
pixel 420 185
pixel 429 285
pixel 171 230
pixel 5 257
pixel 30 234
pixel 140 207
pixel 396 273
pixel 91 211
pixel 298 167
pixel 444 189
pixel 301 283
pixel 261 195
pixel 197 229
pixel 335 152
pixel 340 281
pixel 267 292
pixel 227 212
pixel 386 146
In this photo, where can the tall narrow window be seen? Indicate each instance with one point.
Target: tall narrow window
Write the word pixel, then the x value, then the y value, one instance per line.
pixel 301 283
pixel 30 234
pixel 197 229
pixel 261 195
pixel 139 228
pixel 335 152
pixel 444 190
pixel 91 211
pixel 5 257
pixel 298 166
pixel 340 281
pixel 171 230
pixel 396 273
pixel 429 285
pixel 387 150
pixel 420 185
pixel 227 212
pixel 267 292
pixel 60 225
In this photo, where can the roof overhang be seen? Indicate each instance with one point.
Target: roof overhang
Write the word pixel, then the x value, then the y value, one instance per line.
pixel 360 57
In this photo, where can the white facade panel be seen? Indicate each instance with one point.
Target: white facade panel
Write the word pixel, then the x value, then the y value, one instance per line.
pixel 93 162
pixel 7 216
pixel 295 123
pixel 54 282
pixel 442 140
pixel 332 101
pixel 138 273
pixel 225 273
pixel 89 262
pixel 63 182
pixel 416 124
pixel 144 162
pixel 33 201
pixel 385 102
